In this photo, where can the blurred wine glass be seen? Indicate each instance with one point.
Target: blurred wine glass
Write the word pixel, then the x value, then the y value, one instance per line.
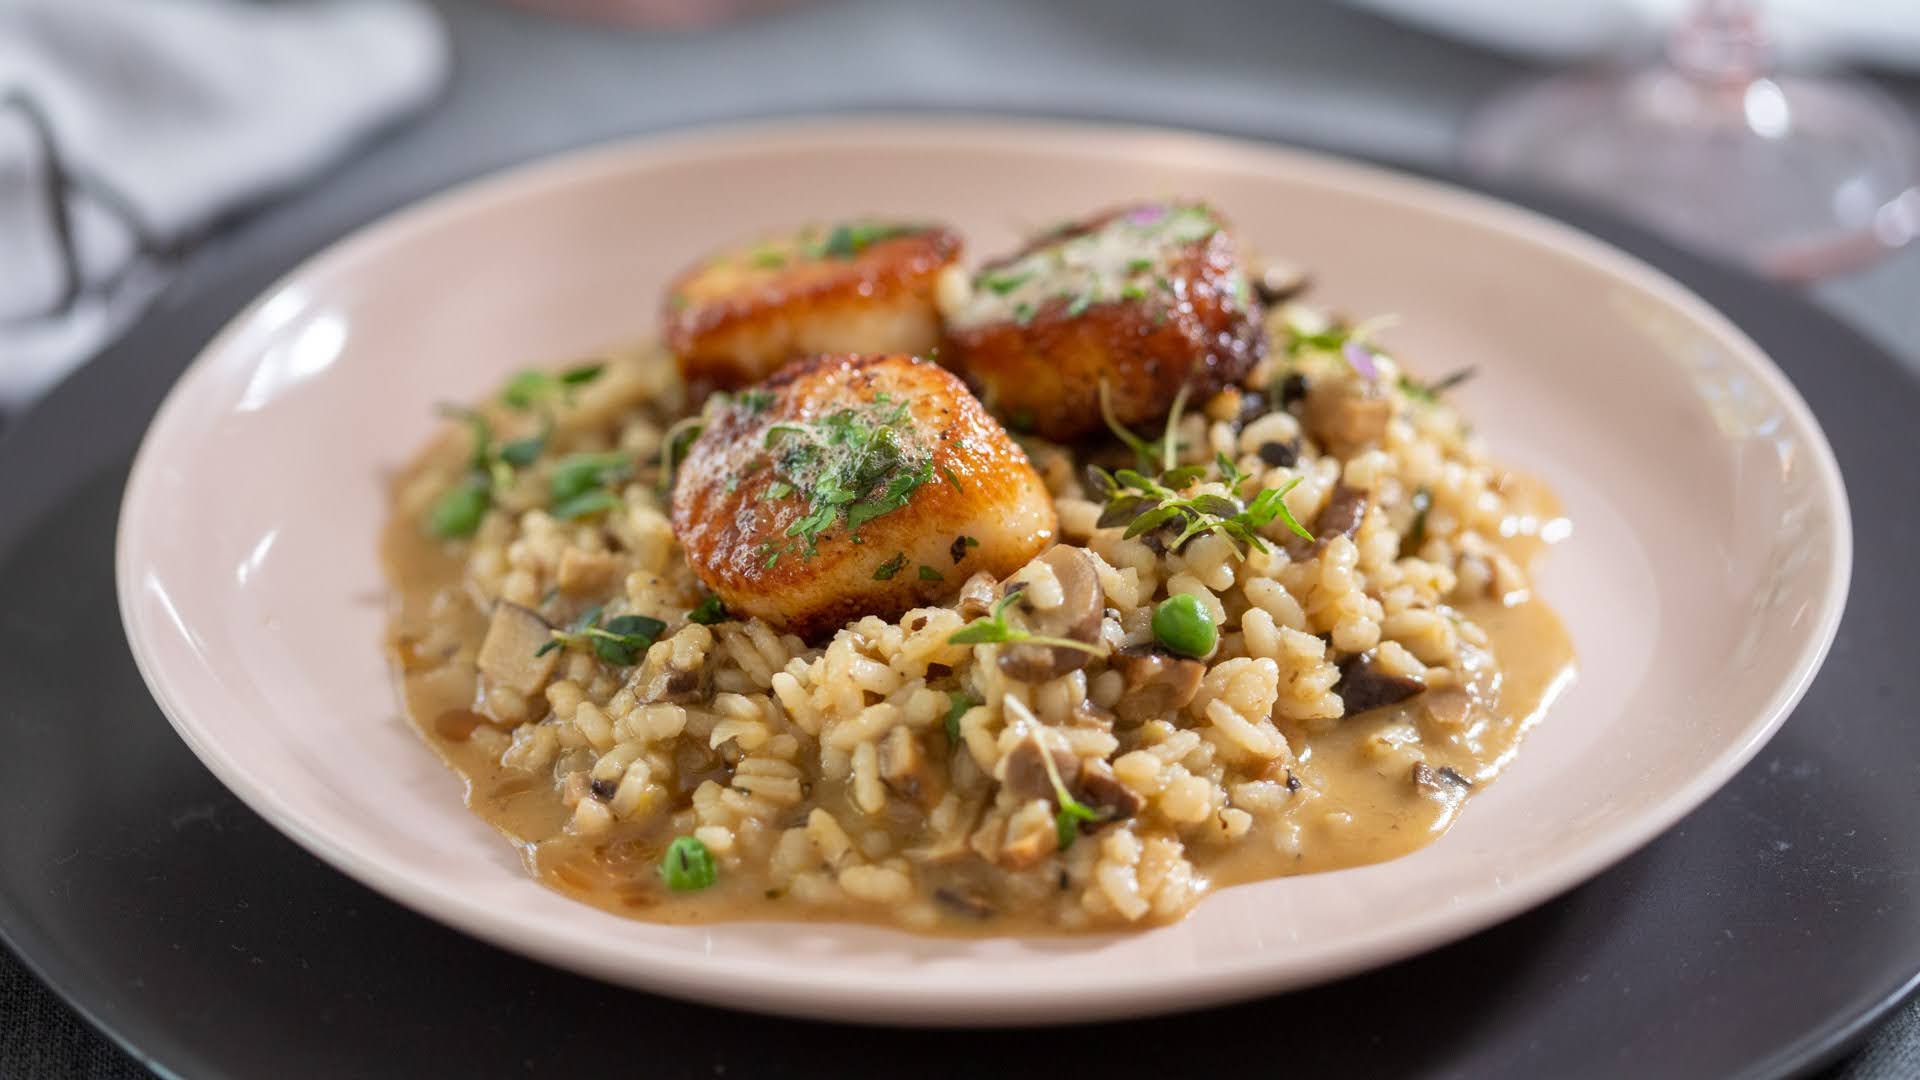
pixel 1798 176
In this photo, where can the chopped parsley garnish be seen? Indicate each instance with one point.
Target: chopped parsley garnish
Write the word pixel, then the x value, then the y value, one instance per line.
pixel 1079 303
pixel 959 548
pixel 958 702
pixel 768 259
pixel 849 240
pixel 1000 282
pixel 947 472
pixel 779 489
pixel 928 573
pixel 1023 312
pixel 1139 266
pixel 851 466
pixel 1144 504
pixel 755 401
pixel 709 611
pixel 886 570
pixel 994 629
pixel 619 642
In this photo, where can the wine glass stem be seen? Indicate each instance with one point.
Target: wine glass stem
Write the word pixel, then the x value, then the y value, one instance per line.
pixel 1720 42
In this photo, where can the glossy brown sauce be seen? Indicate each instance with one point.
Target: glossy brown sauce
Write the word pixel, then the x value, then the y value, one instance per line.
pixel 1364 807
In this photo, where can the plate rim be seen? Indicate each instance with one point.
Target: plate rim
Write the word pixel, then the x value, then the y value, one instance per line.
pixel 825 994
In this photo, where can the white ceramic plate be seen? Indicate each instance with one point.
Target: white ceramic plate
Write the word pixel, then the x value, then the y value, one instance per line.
pixel 1702 584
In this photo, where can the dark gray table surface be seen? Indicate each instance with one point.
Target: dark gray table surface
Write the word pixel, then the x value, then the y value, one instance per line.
pixel 524 86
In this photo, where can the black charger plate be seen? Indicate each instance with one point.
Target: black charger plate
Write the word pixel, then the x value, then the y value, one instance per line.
pixel 1761 936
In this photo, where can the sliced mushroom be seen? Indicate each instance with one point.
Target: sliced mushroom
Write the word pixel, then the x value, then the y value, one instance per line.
pixel 1363 686
pixel 905 770
pixel 1158 683
pixel 1024 771
pixel 1346 508
pixel 1448 709
pixel 1345 415
pixel 1103 792
pixel 1077 618
pixel 507 652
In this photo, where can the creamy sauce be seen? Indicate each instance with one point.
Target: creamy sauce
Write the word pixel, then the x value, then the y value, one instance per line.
pixel 1362 805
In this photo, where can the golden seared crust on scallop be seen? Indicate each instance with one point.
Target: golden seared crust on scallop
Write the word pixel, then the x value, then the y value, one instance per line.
pixel 856 287
pixel 1146 297
pixel 854 485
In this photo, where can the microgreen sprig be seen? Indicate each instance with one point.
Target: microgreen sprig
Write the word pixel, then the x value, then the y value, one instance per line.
pixel 1429 393
pixel 527 389
pixel 1070 811
pixel 1160 454
pixel 958 702
pixel 995 629
pixel 1144 504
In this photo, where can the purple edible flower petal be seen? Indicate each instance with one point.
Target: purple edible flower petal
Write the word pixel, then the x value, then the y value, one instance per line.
pixel 1146 215
pixel 1361 358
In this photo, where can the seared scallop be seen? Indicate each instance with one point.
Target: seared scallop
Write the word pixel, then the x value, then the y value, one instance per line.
pixel 846 486
pixel 858 287
pixel 1146 298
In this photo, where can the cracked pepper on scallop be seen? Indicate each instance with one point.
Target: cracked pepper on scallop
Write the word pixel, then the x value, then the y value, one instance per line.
pixel 777 619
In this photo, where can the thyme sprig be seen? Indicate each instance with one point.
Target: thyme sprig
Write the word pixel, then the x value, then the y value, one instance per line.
pixel 619 642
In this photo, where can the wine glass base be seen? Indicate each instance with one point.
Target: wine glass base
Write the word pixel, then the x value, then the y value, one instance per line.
pixel 1799 178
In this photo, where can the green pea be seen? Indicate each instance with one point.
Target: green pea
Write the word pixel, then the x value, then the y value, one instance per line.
pixel 458 512
pixel 688 865
pixel 1184 625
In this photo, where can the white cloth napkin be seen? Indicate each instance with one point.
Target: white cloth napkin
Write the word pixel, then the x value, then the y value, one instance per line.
pixel 128 127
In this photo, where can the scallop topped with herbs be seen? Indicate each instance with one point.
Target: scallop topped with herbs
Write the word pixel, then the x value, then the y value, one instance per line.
pixel 847 486
pixel 1118 312
pixel 857 287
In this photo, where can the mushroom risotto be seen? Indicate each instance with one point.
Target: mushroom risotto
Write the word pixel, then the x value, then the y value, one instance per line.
pixel 1048 594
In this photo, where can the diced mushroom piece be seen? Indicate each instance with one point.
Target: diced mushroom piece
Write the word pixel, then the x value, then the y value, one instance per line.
pixel 1024 770
pixel 976 596
pixel 1344 415
pixel 1443 780
pixel 507 652
pixel 1346 508
pixel 1363 686
pixel 905 770
pixel 653 682
pixel 964 901
pixel 585 571
pixel 1158 684
pixel 1276 280
pixel 1030 838
pixel 1077 618
pixel 1103 792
